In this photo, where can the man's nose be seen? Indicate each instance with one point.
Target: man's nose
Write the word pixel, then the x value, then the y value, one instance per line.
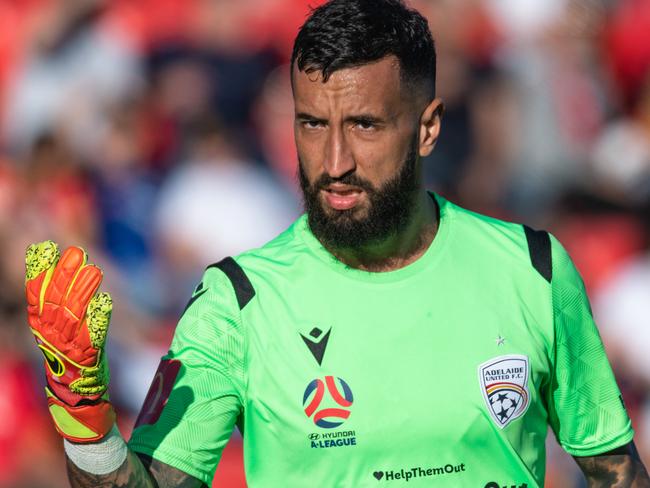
pixel 338 157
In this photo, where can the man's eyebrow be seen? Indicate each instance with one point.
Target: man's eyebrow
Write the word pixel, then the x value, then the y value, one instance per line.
pixel 363 117
pixel 369 118
pixel 306 116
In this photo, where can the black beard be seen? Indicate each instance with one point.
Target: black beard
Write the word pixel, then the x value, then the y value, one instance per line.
pixel 390 210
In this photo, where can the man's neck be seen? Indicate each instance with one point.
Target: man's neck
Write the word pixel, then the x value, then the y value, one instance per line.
pixel 398 250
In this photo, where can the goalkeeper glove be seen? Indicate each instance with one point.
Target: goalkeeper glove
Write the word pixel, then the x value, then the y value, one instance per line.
pixel 69 320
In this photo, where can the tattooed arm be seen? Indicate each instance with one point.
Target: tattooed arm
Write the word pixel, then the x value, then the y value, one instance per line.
pixel 619 468
pixel 137 471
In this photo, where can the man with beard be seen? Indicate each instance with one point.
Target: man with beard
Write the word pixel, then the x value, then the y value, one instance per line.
pixel 387 337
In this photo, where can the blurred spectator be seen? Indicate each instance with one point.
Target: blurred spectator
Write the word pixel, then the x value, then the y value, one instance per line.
pixel 217 204
pixel 73 72
pixel 125 189
pixel 524 22
pixel 621 160
pixel 486 183
pixel 627 49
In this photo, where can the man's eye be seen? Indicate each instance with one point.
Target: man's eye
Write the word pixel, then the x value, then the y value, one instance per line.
pixel 312 124
pixel 365 124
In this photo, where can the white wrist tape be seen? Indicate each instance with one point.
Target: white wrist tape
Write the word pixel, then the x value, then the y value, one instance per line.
pixel 101 457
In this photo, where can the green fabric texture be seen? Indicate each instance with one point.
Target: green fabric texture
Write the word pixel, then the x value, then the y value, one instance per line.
pixel 444 373
pixel 586 412
pixel 206 400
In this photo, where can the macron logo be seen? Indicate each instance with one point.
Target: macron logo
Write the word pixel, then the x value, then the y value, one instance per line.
pixel 317 342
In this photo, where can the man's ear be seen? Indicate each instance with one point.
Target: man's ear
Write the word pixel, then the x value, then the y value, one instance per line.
pixel 430 123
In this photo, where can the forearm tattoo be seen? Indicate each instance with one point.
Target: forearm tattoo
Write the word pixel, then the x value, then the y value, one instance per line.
pixel 621 468
pixel 136 472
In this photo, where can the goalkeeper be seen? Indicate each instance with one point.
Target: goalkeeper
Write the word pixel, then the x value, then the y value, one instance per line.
pixel 387 338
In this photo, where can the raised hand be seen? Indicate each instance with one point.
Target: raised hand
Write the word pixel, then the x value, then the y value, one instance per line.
pixel 69 320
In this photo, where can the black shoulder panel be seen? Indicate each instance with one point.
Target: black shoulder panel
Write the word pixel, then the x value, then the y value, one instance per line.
pixel 539 247
pixel 244 290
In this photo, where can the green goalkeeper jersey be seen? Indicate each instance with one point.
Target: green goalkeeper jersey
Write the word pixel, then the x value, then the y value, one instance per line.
pixel 445 373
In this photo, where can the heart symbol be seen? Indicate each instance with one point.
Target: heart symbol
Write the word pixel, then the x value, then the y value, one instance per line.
pixel 378 474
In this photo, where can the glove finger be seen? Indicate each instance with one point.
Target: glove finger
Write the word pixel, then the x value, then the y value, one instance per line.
pixel 82 290
pixel 93 381
pixel 39 258
pixel 67 268
pixel 98 317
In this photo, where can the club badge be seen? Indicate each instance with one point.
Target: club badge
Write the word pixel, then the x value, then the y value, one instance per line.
pixel 504 384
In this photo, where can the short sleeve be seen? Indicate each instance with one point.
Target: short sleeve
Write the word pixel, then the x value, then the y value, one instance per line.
pixel 197 393
pixel 586 409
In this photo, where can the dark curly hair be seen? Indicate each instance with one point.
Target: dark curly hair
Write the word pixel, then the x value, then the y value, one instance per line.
pixel 347 33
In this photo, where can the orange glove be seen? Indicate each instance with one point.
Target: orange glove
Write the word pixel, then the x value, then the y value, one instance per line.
pixel 69 320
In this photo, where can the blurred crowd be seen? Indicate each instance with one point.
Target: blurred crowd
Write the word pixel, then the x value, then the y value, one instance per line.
pixel 157 134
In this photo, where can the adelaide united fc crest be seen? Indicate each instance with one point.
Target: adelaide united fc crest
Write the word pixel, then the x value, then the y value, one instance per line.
pixel 504 384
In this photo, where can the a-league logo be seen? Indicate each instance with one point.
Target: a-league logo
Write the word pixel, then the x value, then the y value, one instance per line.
pixel 329 417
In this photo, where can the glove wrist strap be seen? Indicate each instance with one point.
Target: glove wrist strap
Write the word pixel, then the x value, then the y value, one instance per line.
pixel 81 423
